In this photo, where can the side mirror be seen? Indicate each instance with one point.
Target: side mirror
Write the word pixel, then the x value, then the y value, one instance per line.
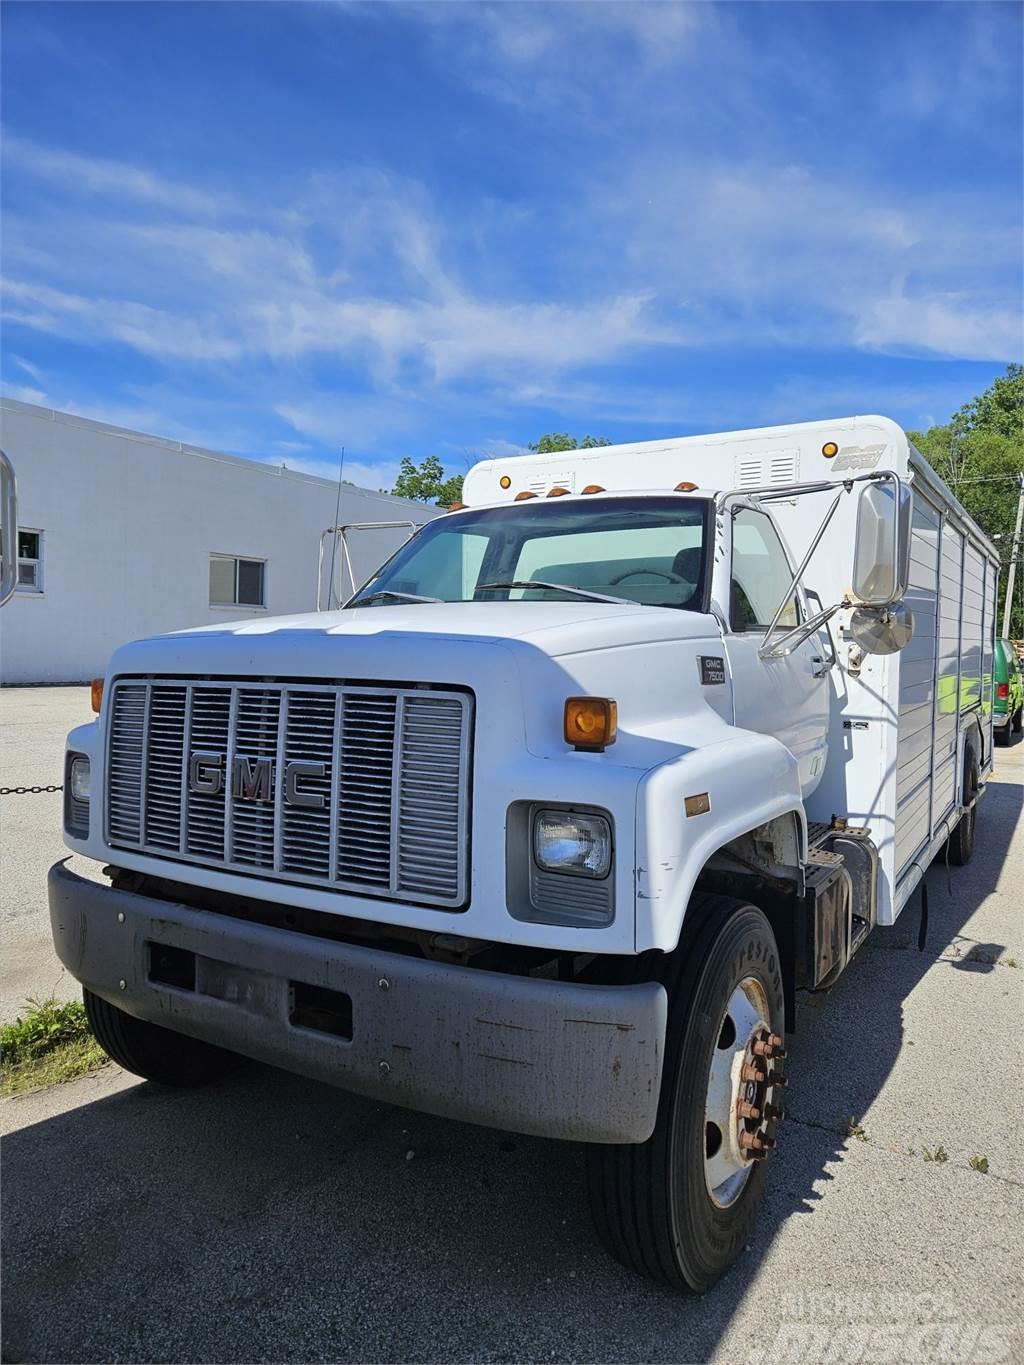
pixel 881 562
pixel 8 529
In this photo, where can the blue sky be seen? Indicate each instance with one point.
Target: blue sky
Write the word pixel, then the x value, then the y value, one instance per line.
pixel 443 228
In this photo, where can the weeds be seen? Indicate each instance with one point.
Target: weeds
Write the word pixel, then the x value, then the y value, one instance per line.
pixel 938 1155
pixel 49 1042
pixel 979 1163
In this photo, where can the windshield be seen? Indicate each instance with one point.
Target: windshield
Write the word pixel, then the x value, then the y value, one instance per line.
pixel 644 550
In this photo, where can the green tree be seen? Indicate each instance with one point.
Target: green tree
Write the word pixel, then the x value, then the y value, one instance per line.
pixel 556 441
pixel 980 454
pixel 426 482
pixel 1000 408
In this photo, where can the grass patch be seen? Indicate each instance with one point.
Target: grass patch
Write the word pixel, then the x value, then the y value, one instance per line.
pixel 49 1042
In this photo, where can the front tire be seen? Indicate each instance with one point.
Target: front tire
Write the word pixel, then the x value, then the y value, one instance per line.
pixel 154 1053
pixel 660 1207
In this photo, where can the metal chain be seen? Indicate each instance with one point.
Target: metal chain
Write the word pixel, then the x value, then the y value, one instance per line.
pixel 25 791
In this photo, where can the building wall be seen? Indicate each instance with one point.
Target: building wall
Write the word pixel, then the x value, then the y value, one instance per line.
pixel 128 525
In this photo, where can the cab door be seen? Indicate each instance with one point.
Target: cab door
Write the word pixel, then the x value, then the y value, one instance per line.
pixel 785 697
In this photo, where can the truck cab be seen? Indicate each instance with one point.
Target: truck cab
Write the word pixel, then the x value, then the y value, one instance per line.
pixel 545 828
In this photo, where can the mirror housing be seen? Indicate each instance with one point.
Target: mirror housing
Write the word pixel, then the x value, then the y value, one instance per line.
pixel 881 562
pixel 8 529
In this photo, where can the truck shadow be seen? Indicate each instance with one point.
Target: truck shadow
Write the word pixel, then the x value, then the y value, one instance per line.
pixel 273 1219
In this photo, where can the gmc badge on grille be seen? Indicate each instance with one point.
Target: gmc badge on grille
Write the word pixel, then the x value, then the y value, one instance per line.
pixel 252 779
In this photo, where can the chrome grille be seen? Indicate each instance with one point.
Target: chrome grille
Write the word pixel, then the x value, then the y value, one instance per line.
pixel 380 801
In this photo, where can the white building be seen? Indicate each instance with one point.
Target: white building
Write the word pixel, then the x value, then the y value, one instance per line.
pixel 124 535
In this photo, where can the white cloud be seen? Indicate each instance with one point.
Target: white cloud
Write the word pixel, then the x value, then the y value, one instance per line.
pixel 24 394
pixel 93 175
pixel 533 55
pixel 363 473
pixel 948 324
pixel 33 371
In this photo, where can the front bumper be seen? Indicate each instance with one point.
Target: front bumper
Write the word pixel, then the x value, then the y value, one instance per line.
pixel 557 1059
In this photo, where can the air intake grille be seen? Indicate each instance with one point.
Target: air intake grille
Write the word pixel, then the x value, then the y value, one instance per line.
pixel 356 788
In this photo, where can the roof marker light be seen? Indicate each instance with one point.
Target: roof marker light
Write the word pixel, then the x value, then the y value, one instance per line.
pixel 521 497
pixel 593 488
pixel 557 492
pixel 457 507
pixel 684 487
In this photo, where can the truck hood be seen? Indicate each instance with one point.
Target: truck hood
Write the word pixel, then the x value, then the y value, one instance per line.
pixel 520 659
pixel 555 628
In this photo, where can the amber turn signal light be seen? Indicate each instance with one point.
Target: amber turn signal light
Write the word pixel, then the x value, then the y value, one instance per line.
pixel 505 481
pixel 96 694
pixel 590 722
pixel 829 449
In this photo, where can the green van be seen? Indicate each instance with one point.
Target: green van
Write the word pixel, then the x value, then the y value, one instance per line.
pixel 1009 699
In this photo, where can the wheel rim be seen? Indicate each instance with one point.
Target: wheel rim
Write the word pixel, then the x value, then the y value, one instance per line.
pixel 739 1116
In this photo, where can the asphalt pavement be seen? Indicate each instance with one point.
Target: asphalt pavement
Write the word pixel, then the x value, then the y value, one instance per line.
pixel 272 1219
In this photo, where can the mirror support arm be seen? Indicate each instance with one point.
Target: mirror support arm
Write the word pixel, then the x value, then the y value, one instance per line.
pixel 778 646
pixel 767 649
pixel 786 643
pixel 342 531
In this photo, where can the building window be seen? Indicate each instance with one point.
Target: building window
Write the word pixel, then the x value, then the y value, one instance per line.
pixel 236 582
pixel 30 561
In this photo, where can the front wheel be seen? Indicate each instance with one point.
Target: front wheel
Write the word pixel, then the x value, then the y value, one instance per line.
pixel 155 1053
pixel 1017 724
pixel 680 1207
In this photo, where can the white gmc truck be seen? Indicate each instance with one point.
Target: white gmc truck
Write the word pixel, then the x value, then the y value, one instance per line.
pixel 545 828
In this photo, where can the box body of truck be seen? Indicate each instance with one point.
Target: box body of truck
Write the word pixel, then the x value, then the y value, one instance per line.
pixel 369 846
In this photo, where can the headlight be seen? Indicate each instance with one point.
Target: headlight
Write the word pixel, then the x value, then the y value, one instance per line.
pixel 78 778
pixel 570 841
pixel 76 795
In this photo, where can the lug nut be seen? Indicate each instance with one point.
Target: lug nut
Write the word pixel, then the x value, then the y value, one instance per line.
pixel 777 1078
pixel 747 1111
pixel 752 1073
pixel 774 1040
pixel 766 1048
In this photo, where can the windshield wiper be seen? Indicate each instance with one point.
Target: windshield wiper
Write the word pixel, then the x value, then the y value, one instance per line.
pixel 399 596
pixel 556 587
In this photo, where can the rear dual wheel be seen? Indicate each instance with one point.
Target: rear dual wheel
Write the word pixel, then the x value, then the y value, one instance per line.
pixel 961 841
pixel 681 1206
